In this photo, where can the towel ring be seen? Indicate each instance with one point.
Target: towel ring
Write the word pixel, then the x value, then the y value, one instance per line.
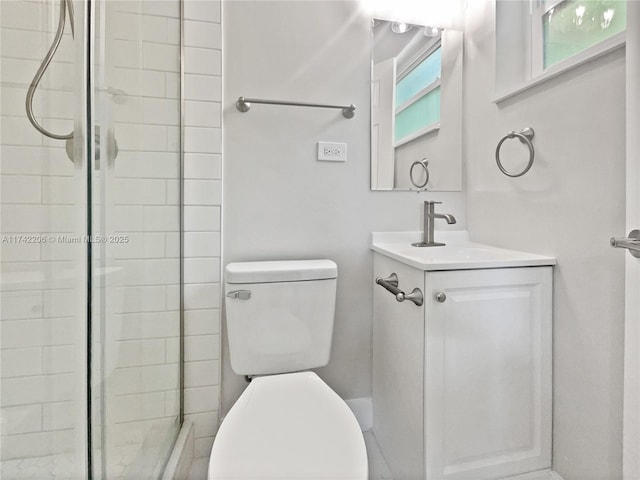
pixel 424 163
pixel 525 137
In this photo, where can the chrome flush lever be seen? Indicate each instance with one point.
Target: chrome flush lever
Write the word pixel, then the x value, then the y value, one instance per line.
pixel 240 294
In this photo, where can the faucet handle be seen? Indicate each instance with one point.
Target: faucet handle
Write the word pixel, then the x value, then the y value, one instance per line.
pixel 431 202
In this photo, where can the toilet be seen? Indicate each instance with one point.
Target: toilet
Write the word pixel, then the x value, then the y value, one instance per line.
pixel 287 424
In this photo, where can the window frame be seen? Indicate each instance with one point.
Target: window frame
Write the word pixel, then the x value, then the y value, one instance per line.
pixel 533 71
pixel 421 56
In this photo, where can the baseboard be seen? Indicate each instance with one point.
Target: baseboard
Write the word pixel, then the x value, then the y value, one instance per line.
pixel 363 410
pixel 182 456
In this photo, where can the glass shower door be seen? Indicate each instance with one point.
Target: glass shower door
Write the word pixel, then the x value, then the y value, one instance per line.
pixel 136 215
pixel 43 245
pixel 90 247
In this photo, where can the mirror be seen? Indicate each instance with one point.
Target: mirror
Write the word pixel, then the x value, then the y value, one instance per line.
pixel 416 107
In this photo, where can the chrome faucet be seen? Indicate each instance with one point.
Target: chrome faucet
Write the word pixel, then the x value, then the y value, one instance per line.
pixel 429 218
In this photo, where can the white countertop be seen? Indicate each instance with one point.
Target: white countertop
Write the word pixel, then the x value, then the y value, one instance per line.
pixel 458 254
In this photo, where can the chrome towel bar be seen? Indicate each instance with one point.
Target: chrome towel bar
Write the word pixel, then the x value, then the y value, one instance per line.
pixel 244 105
pixel 391 285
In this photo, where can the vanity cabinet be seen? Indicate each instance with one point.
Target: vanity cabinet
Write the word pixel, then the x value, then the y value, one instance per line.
pixel 462 384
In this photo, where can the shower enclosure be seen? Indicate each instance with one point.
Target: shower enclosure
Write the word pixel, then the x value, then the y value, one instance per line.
pixel 90 248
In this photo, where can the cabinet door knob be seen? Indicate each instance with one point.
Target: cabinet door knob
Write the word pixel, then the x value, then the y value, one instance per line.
pixel 441 297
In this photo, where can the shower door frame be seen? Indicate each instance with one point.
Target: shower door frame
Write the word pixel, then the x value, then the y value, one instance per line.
pixel 96 469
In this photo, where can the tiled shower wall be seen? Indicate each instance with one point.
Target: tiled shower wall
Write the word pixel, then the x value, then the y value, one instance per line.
pixel 203 199
pixel 38 362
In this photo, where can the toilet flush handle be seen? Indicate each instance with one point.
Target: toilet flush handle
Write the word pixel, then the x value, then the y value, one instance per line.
pixel 240 294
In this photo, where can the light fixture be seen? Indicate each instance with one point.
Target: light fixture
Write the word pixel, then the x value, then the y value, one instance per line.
pixel 431 31
pixel 400 27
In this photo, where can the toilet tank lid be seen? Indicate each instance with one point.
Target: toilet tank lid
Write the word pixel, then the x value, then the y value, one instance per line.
pixel 280 271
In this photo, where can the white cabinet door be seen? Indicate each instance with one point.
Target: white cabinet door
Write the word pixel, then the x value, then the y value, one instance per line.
pixel 488 373
pixel 398 367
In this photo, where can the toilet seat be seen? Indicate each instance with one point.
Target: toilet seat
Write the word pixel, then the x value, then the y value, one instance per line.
pixel 289 426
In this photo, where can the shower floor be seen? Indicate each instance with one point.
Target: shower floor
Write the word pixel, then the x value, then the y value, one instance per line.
pixel 51 466
pixel 63 466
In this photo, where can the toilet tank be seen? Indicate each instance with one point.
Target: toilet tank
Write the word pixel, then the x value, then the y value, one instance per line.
pixel 280 315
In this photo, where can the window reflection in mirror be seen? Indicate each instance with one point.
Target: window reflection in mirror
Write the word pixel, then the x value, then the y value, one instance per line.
pixel 416 95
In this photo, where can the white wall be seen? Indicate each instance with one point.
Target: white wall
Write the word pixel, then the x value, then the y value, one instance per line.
pixel 568 205
pixel 279 202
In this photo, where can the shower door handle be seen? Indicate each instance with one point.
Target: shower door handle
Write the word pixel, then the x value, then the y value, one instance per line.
pixel 631 243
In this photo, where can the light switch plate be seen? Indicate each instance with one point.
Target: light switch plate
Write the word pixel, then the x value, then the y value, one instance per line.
pixel 332 151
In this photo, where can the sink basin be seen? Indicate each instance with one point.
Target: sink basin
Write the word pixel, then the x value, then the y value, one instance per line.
pixel 458 253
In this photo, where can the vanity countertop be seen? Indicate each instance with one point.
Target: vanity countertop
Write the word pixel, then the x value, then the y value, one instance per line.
pixel 458 254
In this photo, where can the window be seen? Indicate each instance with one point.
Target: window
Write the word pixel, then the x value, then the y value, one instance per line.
pixel 417 107
pixel 539 39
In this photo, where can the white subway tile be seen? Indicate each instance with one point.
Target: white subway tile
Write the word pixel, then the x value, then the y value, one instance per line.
pixel 157 56
pixel 202 140
pixel 20 189
pixel 132 353
pixel 173 191
pixel 163 111
pixel 148 164
pixel 59 303
pixel 20 362
pixel 202 34
pixel 148 271
pixel 126 54
pixel 32 333
pixel 201 296
pixel 145 379
pixel 201 347
pixel 201 244
pixel 203 10
pixel 140 245
pixel 172 294
pixel 126 191
pixel 201 322
pixel 138 82
pixel 155 29
pixel 38 218
pixel 139 299
pixel 172 349
pixel 201 399
pixel 58 416
pixel 201 219
pixel 202 114
pixel 26 160
pixel 202 270
pixel 59 359
pixel 202 61
pixel 60 190
pixel 38 444
pixel 203 87
pixel 202 165
pixel 147 138
pixel 136 326
pixel 21 419
pixel 201 373
pixel 18 305
pixel 165 219
pixel 172 244
pixel 202 192
pixel 38 389
pixel 144 406
pixel 172 403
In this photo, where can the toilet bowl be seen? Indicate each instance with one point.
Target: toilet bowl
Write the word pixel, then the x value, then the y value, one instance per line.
pixel 289 426
pixel 285 425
